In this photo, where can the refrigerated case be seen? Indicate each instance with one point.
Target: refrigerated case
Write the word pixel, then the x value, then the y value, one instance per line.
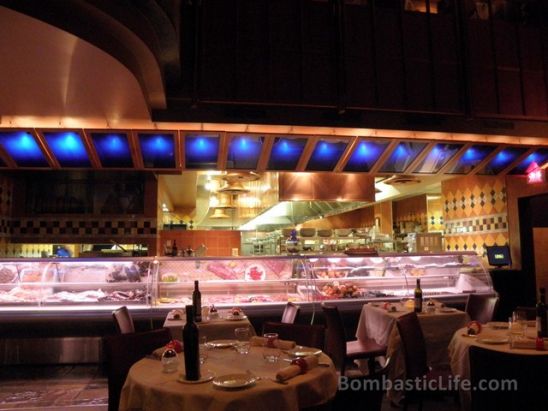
pixel 75 286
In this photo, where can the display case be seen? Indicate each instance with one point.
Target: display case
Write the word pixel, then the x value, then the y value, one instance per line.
pixel 265 281
pixel 74 285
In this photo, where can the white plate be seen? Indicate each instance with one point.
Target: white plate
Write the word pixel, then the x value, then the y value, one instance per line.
pixel 205 377
pixel 493 340
pixel 300 351
pixel 498 325
pixel 222 343
pixel 235 317
pixel 235 380
pixel 447 310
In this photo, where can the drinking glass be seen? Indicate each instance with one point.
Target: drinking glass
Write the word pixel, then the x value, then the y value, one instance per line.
pixel 242 335
pixel 271 354
pixel 519 317
pixel 202 349
pixel 169 360
pixel 270 338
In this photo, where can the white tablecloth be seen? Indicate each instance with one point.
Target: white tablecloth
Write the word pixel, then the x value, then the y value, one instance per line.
pixel 148 388
pixel 438 329
pixel 459 353
pixel 213 329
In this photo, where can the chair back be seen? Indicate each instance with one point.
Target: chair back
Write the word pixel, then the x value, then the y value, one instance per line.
pixel 123 321
pixel 335 341
pixel 481 308
pixel 302 334
pixel 290 314
pixel 528 372
pixel 413 344
pixel 369 394
pixel 121 351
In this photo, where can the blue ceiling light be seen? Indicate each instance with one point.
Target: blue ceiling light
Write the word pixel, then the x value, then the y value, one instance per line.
pixel 68 148
pixel 471 158
pixel 113 149
pixel 539 157
pixel 402 156
pixel 157 150
pixel 365 155
pixel 326 155
pixel 286 153
pixel 23 148
pixel 437 158
pixel 502 160
pixel 201 152
pixel 244 152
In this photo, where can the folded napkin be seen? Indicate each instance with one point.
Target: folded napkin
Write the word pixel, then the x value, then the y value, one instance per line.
pixel 298 366
pixel 257 341
pixel 527 343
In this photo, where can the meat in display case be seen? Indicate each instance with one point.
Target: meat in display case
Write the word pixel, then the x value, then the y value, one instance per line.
pixel 101 285
pixel 263 281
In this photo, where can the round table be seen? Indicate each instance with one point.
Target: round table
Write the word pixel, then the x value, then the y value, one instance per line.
pixel 459 357
pixel 147 387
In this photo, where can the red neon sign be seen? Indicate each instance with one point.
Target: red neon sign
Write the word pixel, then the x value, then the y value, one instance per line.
pixel 535 175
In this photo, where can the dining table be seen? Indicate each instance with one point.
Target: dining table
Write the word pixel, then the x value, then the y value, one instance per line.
pixel 378 321
pixel 213 328
pixel 493 336
pixel 148 388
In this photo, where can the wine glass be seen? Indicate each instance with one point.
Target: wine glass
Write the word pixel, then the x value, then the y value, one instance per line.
pixel 202 349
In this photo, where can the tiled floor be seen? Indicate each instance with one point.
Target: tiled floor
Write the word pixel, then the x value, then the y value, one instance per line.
pixel 66 387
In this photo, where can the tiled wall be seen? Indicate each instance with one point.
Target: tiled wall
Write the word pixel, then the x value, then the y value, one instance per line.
pixel 475 213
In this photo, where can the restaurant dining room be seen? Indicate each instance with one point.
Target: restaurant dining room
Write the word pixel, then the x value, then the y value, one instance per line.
pixel 302 205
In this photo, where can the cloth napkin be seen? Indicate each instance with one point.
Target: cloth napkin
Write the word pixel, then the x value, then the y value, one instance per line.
pixel 527 343
pixel 303 364
pixel 257 341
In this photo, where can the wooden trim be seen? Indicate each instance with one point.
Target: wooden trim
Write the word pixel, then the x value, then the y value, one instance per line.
pixel 41 140
pixel 223 151
pixel 518 160
pixel 455 159
pixel 487 159
pixel 350 147
pixel 92 153
pixel 264 157
pixel 182 148
pixel 384 156
pixel 135 147
pixel 421 156
pixel 307 153
pixel 177 149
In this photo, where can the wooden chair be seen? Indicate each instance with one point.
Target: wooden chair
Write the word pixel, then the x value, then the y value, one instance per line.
pixel 368 396
pixel 123 321
pixel 528 372
pixel 415 359
pixel 302 334
pixel 481 308
pixel 290 314
pixel 342 352
pixel 121 351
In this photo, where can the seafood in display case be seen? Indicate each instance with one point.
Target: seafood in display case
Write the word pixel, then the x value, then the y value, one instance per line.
pixel 233 281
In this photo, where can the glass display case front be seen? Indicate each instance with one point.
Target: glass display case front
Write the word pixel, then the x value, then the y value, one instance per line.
pixel 101 285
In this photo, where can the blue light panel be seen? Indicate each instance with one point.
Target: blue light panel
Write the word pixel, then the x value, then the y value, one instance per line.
pixel 437 158
pixel 402 156
pixel 23 148
pixel 113 149
pixel 244 152
pixel 68 148
pixel 201 152
pixel 539 157
pixel 158 150
pixel 471 158
pixel 325 156
pixel 365 155
pixel 502 160
pixel 286 153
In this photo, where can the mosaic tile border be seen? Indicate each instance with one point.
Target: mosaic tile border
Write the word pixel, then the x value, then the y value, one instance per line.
pixel 492 223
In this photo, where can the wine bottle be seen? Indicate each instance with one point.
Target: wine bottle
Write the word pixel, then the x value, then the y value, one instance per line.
pixel 191 346
pixel 197 302
pixel 418 297
pixel 174 249
pixel 542 320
